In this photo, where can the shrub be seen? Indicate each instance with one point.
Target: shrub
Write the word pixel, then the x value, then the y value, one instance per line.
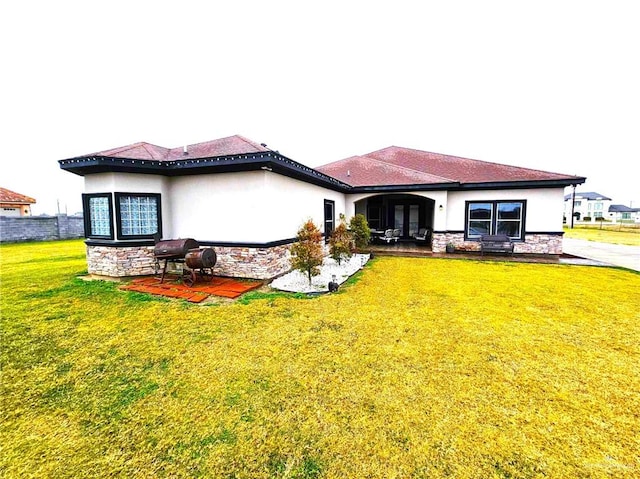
pixel 306 254
pixel 360 230
pixel 341 243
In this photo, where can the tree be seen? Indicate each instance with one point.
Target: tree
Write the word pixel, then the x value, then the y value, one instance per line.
pixel 360 230
pixel 306 253
pixel 341 243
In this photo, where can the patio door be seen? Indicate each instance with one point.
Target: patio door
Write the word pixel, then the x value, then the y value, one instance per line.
pixel 406 218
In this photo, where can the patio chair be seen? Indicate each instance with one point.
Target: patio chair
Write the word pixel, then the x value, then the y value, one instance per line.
pixel 423 235
pixel 389 236
pixel 397 233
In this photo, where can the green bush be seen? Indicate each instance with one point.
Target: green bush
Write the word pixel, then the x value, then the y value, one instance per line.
pixel 360 230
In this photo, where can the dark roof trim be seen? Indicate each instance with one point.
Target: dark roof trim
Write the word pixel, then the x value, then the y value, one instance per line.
pixel 220 244
pixel 236 244
pixel 417 187
pixel 270 161
pixel 456 186
pixel 501 185
pixel 273 161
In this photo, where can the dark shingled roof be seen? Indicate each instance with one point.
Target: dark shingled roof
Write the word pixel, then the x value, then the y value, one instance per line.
pixel 589 195
pixel 622 209
pixel 391 168
pixel 404 166
pixel 232 145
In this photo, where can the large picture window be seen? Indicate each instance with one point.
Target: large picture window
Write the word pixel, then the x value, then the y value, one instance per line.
pixel 98 215
pixel 138 215
pixel 495 217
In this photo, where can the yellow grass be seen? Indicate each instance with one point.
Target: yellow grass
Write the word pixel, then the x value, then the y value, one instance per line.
pixel 626 234
pixel 422 368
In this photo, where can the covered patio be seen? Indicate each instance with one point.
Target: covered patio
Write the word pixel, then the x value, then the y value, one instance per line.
pixel 404 212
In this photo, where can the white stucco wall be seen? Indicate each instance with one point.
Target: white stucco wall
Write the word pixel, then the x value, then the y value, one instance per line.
pixel 133 183
pixel 251 207
pixel 295 201
pixel 544 207
pixel 263 206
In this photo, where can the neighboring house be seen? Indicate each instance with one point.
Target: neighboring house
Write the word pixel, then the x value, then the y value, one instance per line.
pixel 248 201
pixel 14 204
pixel 589 205
pixel 624 214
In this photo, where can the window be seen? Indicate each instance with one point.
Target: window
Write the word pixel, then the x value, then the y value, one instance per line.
pixel 329 217
pixel 495 217
pixel 138 215
pixel 577 203
pixel 98 215
pixel 480 218
pixel 374 216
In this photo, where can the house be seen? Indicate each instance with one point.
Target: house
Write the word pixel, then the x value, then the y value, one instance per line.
pixel 248 201
pixel 587 206
pixel 624 214
pixel 14 204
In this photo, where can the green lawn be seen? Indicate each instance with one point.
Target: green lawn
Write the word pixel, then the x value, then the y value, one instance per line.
pixel 606 233
pixel 422 368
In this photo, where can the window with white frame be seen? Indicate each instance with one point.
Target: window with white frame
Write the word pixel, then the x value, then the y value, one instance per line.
pixel 495 217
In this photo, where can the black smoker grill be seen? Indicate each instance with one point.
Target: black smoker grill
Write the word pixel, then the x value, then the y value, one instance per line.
pixel 195 261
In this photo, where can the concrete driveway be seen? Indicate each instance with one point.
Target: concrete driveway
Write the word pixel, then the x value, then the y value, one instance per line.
pixel 611 254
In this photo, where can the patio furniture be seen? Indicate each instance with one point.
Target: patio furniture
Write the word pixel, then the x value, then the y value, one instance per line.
pixel 423 235
pixel 389 237
pixel 496 244
pixel 397 233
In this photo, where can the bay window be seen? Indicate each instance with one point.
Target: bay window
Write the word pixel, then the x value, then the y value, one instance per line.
pixel 137 215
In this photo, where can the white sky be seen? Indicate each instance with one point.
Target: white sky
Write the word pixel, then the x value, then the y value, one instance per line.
pixel 551 85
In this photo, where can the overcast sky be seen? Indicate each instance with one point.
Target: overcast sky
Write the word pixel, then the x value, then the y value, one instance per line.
pixel 550 85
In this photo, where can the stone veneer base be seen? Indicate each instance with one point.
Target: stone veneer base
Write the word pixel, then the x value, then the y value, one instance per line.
pixel 535 243
pixel 236 262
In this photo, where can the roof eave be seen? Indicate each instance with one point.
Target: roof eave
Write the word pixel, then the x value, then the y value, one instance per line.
pixel 269 161
pixel 407 187
pixel 518 184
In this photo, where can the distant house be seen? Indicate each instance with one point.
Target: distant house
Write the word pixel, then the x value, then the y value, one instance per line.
pixel 14 204
pixel 248 201
pixel 587 206
pixel 624 214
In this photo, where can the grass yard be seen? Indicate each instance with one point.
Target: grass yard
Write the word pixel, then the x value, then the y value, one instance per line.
pixel 422 368
pixel 626 234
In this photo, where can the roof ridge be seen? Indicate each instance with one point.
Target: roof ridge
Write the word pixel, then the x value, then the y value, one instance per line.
pixel 144 145
pixel 445 155
pixel 369 158
pixel 250 142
